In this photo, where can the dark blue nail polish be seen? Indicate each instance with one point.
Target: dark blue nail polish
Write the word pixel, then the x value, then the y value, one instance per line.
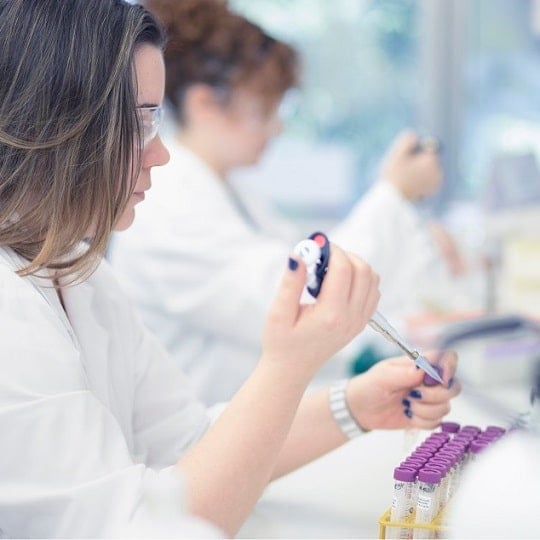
pixel 293 265
pixel 450 383
pixel 407 413
pixel 406 403
pixel 415 394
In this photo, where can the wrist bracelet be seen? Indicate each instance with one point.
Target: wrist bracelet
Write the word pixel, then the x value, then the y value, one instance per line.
pixel 341 412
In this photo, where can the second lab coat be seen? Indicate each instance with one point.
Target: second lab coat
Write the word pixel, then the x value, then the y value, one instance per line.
pixel 92 411
pixel 203 264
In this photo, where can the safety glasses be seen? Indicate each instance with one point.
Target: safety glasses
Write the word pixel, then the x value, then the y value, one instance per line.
pixel 151 118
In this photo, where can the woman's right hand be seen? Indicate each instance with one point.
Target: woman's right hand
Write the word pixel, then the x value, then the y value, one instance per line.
pixel 305 336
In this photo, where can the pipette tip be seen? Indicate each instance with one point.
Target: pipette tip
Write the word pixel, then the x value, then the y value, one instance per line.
pixel 432 373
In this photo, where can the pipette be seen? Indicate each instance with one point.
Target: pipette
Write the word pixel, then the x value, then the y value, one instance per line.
pixel 379 323
pixel 315 252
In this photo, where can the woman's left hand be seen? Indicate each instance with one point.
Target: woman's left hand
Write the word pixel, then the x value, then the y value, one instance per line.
pixel 391 395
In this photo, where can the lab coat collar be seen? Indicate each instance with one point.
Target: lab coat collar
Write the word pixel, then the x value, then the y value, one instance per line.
pixel 79 321
pixel 43 284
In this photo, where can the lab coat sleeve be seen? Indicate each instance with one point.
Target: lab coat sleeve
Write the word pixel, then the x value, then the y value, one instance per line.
pixel 65 470
pixel 386 231
pixel 167 418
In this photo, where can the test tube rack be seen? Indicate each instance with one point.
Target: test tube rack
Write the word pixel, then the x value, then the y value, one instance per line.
pixel 472 440
pixel 438 525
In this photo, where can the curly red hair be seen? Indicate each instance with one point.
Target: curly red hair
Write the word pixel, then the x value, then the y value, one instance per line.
pixel 209 44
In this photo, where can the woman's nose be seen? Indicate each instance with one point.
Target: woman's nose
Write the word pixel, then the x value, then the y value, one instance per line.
pixel 155 153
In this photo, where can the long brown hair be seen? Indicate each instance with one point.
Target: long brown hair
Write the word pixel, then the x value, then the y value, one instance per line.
pixel 68 126
pixel 209 44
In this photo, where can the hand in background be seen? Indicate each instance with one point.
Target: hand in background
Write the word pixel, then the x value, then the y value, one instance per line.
pixel 376 397
pixel 448 249
pixel 305 336
pixel 414 173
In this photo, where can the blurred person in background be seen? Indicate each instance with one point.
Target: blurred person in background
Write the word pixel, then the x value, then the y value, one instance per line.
pixel 203 260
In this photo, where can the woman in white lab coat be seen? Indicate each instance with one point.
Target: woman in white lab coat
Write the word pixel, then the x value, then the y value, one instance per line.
pixel 98 425
pixel 203 261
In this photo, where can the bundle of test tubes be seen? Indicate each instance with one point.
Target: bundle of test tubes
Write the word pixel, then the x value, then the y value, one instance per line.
pixel 426 480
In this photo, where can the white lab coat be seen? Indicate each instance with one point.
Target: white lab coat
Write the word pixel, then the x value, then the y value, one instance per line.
pixel 92 410
pixel 203 265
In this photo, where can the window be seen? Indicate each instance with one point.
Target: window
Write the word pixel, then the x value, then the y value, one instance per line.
pixel 360 87
pixel 467 71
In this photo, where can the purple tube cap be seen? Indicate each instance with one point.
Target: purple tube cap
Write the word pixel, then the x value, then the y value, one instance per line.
pixel 431 444
pixel 431 476
pixel 425 451
pixel 450 454
pixel 404 474
pixel 457 444
pixel 465 436
pixel 416 459
pixel 462 446
pixel 439 435
pixel 438 467
pixel 474 429
pixel 488 436
pixel 443 464
pixel 477 446
pixel 408 464
pixel 495 429
pixel 437 442
pixel 450 427
pixel 439 459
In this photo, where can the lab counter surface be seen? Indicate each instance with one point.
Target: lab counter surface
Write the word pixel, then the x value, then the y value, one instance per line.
pixel 343 494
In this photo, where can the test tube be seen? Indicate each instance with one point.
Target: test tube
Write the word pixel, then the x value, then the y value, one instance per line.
pixel 477 447
pixel 403 501
pixel 444 465
pixel 427 500
pixel 453 474
pixel 461 447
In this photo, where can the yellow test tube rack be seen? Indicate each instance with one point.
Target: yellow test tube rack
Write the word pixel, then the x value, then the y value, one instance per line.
pixel 437 525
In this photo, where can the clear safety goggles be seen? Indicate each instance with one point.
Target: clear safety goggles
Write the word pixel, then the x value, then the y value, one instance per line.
pixel 151 118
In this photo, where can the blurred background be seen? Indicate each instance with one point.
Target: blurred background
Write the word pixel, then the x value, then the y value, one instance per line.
pixel 465 71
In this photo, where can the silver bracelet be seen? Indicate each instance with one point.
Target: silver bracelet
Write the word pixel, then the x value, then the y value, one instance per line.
pixel 341 412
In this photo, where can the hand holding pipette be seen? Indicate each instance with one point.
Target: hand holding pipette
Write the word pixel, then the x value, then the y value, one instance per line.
pixel 315 252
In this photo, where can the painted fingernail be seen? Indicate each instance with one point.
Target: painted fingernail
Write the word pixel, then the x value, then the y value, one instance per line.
pixel 407 413
pixel 415 394
pixel 293 264
pixel 450 383
pixel 430 381
pixel 406 403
